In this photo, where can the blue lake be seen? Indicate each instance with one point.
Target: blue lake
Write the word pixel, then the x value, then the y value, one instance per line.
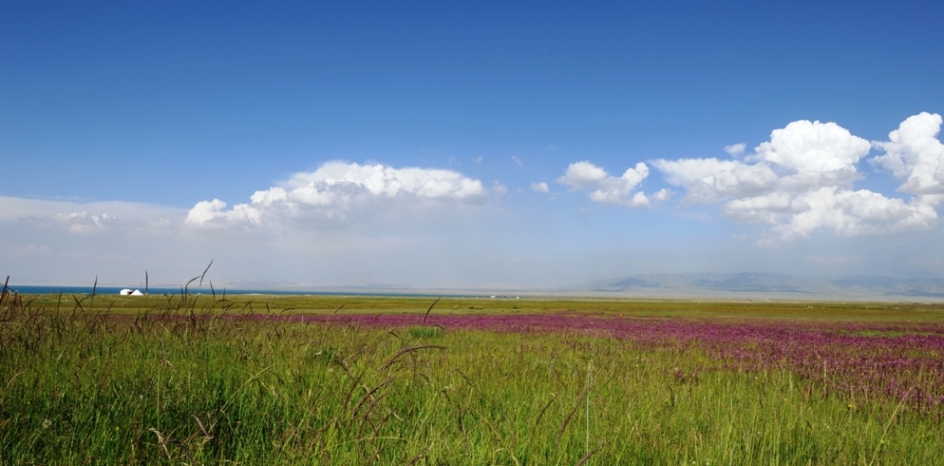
pixel 113 290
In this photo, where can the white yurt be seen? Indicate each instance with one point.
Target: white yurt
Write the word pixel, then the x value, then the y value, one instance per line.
pixel 125 292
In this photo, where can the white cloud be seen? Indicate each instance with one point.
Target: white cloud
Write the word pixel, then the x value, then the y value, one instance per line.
pixel 205 211
pixel 639 200
pixel 913 153
pixel 517 161
pixel 539 187
pixel 801 180
pixel 606 188
pixel 583 175
pixel 735 149
pixel 337 190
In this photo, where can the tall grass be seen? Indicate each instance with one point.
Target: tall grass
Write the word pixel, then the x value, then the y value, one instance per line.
pixel 182 382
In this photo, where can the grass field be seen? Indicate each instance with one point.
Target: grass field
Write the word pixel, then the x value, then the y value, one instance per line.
pixel 353 380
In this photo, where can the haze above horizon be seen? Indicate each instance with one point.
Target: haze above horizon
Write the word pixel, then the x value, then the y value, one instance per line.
pixel 527 145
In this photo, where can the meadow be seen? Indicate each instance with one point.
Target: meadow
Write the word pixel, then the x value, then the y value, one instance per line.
pixel 188 379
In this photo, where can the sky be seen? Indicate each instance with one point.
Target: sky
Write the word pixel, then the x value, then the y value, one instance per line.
pixel 324 145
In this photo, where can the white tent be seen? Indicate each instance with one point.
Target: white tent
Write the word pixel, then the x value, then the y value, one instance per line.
pixel 125 292
pixel 136 293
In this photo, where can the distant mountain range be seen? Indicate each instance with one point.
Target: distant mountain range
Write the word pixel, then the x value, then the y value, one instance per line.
pixel 770 284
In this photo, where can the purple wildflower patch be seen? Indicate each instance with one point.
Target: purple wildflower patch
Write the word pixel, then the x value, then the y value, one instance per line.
pixel 898 361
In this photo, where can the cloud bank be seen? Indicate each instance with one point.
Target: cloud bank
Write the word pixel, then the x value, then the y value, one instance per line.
pixel 85 218
pixel 338 191
pixel 801 180
pixel 367 224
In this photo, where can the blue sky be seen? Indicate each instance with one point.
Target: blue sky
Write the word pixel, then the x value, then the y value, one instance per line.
pixel 121 124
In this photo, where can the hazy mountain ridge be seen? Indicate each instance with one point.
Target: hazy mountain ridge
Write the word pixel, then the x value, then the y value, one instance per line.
pixel 744 285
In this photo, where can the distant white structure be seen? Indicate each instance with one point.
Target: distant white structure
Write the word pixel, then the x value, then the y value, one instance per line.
pixel 130 292
pixel 137 293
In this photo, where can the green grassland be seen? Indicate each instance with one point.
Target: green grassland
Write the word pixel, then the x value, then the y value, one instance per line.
pixel 110 380
pixel 328 304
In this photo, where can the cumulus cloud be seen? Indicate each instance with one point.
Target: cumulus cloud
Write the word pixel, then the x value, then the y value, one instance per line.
pixel 540 187
pixel 337 190
pixel 914 154
pixel 813 147
pixel 606 188
pixel 801 180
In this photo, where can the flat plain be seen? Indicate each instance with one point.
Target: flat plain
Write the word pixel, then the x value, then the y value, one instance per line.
pixel 213 379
